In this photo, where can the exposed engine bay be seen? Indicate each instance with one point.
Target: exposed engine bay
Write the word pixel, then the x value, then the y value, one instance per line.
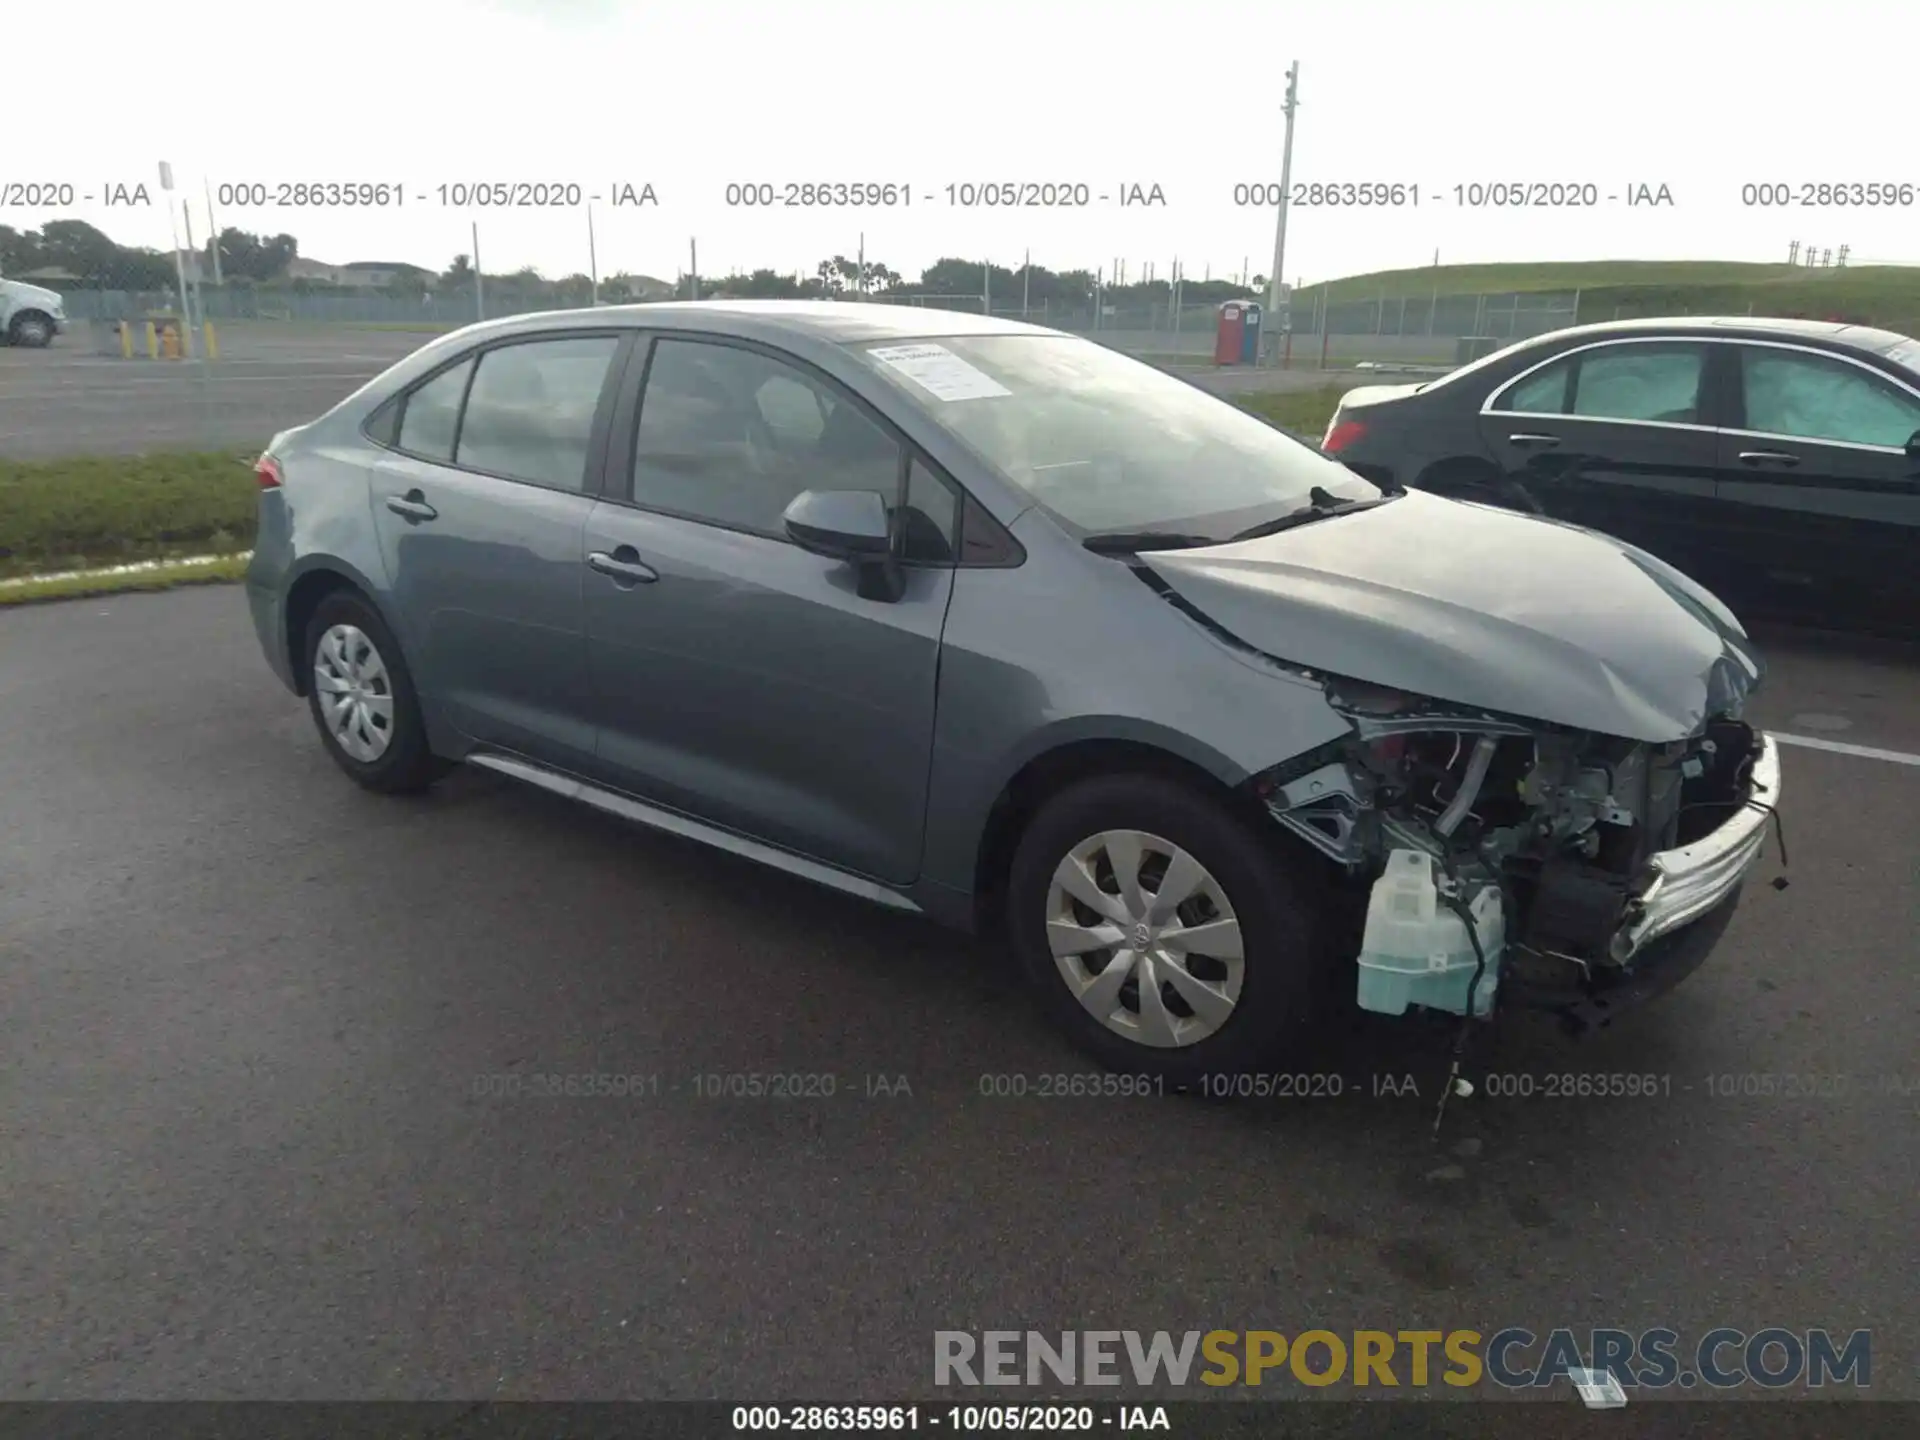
pixel 1488 838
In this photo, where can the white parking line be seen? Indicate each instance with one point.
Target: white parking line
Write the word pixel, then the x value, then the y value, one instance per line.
pixel 1864 752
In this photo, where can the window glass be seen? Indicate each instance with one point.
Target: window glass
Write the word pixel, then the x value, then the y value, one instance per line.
pixel 793 411
pixel 383 428
pixel 1815 399
pixel 530 412
pixel 433 413
pixel 725 436
pixel 1542 393
pixel 1104 442
pixel 1641 382
pixel 930 519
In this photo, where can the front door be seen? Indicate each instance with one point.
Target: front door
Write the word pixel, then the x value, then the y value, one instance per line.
pixel 1617 437
pixel 481 505
pixel 738 678
pixel 1820 484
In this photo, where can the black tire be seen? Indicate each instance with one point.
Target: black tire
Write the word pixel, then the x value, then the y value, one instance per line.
pixel 1286 987
pixel 32 330
pixel 406 764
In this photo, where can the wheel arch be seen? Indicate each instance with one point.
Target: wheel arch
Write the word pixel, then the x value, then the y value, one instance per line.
pixel 1070 759
pixel 319 577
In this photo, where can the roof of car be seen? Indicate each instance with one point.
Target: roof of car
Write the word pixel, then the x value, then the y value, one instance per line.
pixel 839 321
pixel 1863 337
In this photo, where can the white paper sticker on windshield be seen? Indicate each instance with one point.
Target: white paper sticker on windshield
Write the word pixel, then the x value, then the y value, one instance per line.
pixel 939 371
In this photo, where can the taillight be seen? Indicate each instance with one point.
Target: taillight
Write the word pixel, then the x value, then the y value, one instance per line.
pixel 266 470
pixel 1341 434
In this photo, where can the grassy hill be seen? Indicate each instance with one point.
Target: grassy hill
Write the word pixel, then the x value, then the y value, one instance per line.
pixel 1887 295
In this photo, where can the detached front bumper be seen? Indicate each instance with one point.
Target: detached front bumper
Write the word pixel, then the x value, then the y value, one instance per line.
pixel 1685 884
pixel 1680 913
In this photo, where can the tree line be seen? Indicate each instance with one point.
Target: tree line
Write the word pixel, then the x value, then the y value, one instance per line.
pixel 96 261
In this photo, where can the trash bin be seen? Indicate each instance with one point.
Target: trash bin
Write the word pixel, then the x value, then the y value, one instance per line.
pixel 1468 348
pixel 1250 335
pixel 1229 335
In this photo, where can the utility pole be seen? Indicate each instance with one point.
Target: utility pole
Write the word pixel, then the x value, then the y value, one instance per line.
pixel 479 278
pixel 179 260
pixel 193 274
pixel 213 237
pixel 693 268
pixel 1286 183
pixel 593 258
pixel 1026 279
pixel 860 265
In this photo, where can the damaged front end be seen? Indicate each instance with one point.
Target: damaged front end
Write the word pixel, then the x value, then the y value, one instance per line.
pixel 1557 867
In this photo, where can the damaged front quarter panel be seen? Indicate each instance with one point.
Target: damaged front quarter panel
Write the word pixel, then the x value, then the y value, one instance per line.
pixel 1495 843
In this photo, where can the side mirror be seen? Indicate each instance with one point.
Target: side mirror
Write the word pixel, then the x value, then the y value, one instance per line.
pixel 849 525
pixel 1913 446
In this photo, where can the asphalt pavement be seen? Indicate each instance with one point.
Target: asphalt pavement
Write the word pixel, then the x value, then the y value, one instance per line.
pixel 252 1022
pixel 68 400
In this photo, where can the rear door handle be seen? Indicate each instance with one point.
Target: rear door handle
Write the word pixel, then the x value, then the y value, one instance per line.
pixel 1768 457
pixel 412 506
pixel 622 566
pixel 1534 442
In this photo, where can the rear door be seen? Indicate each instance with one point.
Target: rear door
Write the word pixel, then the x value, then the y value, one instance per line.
pixel 1820 481
pixel 1617 436
pixel 736 677
pixel 481 502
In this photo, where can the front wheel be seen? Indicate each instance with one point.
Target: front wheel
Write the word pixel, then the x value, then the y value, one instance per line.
pixel 32 330
pixel 1164 933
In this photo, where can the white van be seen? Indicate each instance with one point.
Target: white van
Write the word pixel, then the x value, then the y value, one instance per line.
pixel 30 314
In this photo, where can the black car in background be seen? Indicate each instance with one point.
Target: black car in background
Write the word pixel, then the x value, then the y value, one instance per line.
pixel 1775 461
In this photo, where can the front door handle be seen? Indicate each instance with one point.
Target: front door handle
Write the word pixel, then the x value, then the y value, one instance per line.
pixel 1768 457
pixel 412 506
pixel 1534 442
pixel 623 566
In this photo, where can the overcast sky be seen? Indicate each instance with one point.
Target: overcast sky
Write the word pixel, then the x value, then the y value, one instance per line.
pixel 1696 95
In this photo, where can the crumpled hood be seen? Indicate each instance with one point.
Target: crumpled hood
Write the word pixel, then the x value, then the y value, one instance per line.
pixel 1484 608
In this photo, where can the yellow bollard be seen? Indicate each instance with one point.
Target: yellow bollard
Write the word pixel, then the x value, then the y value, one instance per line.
pixel 126 340
pixel 153 342
pixel 213 344
pixel 170 343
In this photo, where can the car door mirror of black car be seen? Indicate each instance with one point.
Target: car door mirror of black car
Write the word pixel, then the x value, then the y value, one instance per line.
pixel 850 525
pixel 1913 446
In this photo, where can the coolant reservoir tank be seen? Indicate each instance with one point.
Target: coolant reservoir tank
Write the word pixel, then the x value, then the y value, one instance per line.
pixel 1416 950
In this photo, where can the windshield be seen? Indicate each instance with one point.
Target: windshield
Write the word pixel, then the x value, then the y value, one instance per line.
pixel 1108 444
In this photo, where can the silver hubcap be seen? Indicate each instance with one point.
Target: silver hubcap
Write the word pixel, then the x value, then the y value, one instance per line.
pixel 356 695
pixel 1145 938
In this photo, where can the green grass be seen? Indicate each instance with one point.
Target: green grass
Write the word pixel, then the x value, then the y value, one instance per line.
pixel 1884 295
pixel 163 577
pixel 1304 412
pixel 93 511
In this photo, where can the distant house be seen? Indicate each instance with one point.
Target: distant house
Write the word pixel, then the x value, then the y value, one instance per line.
pixel 52 276
pixel 359 274
pixel 643 287
pixel 313 271
pixel 381 274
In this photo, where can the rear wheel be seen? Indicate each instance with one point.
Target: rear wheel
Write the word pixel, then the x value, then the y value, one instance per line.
pixel 362 698
pixel 1163 933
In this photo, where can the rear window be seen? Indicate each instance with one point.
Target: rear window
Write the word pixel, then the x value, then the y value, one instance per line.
pixel 1906 353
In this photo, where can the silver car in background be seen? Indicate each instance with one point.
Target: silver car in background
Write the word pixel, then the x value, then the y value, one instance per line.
pixel 990 623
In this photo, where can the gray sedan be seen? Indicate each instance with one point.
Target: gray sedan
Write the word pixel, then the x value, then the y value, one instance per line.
pixel 992 624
